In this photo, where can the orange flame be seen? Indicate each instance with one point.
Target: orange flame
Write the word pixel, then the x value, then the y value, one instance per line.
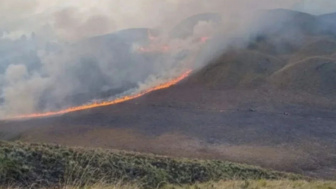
pixel 104 103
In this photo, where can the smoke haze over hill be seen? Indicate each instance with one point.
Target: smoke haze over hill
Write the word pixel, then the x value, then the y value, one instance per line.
pixel 57 54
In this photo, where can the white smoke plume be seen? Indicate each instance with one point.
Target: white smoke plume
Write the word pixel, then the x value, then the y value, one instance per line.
pixel 58 53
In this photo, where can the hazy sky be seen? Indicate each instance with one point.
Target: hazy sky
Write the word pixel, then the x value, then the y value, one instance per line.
pixel 65 18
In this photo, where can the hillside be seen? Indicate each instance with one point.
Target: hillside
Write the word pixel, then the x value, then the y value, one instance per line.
pixel 271 104
pixel 318 75
pixel 318 46
pixel 242 68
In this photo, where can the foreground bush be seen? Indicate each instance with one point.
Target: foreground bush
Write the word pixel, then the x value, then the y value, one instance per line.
pixel 42 165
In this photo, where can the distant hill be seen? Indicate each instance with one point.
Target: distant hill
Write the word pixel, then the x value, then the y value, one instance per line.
pixel 283 21
pixel 327 23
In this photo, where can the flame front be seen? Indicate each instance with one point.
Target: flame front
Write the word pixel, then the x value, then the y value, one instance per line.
pixel 104 103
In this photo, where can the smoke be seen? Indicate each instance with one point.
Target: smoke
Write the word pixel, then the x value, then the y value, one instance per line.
pixel 70 25
pixel 61 53
pixel 21 90
pixel 69 17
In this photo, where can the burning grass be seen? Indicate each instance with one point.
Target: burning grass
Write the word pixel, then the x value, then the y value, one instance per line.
pixel 105 103
pixel 42 165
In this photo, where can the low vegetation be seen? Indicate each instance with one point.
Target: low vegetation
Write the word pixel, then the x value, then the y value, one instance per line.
pixel 261 184
pixel 42 165
pixel 233 184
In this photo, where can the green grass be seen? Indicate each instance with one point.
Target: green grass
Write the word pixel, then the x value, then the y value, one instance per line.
pixel 42 165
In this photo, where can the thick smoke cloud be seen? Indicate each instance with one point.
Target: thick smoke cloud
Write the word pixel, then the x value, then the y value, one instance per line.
pixel 61 53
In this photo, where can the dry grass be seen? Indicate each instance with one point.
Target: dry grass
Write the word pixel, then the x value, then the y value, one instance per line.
pixel 42 165
pixel 262 184
pixel 231 184
pixel 96 186
pixel 105 186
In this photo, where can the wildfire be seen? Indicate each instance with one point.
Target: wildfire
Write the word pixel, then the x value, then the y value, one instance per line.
pixel 105 103
pixel 155 47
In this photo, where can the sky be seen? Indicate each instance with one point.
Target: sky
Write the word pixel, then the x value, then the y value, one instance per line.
pixel 75 19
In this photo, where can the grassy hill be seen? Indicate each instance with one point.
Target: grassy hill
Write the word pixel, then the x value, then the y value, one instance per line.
pixel 315 75
pixel 235 69
pixel 316 46
pixel 42 165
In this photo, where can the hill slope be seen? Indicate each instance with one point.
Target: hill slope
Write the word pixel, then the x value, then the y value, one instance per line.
pixel 271 104
pixel 314 75
pixel 243 68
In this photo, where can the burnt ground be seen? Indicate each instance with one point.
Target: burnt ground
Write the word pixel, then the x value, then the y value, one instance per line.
pixel 262 127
